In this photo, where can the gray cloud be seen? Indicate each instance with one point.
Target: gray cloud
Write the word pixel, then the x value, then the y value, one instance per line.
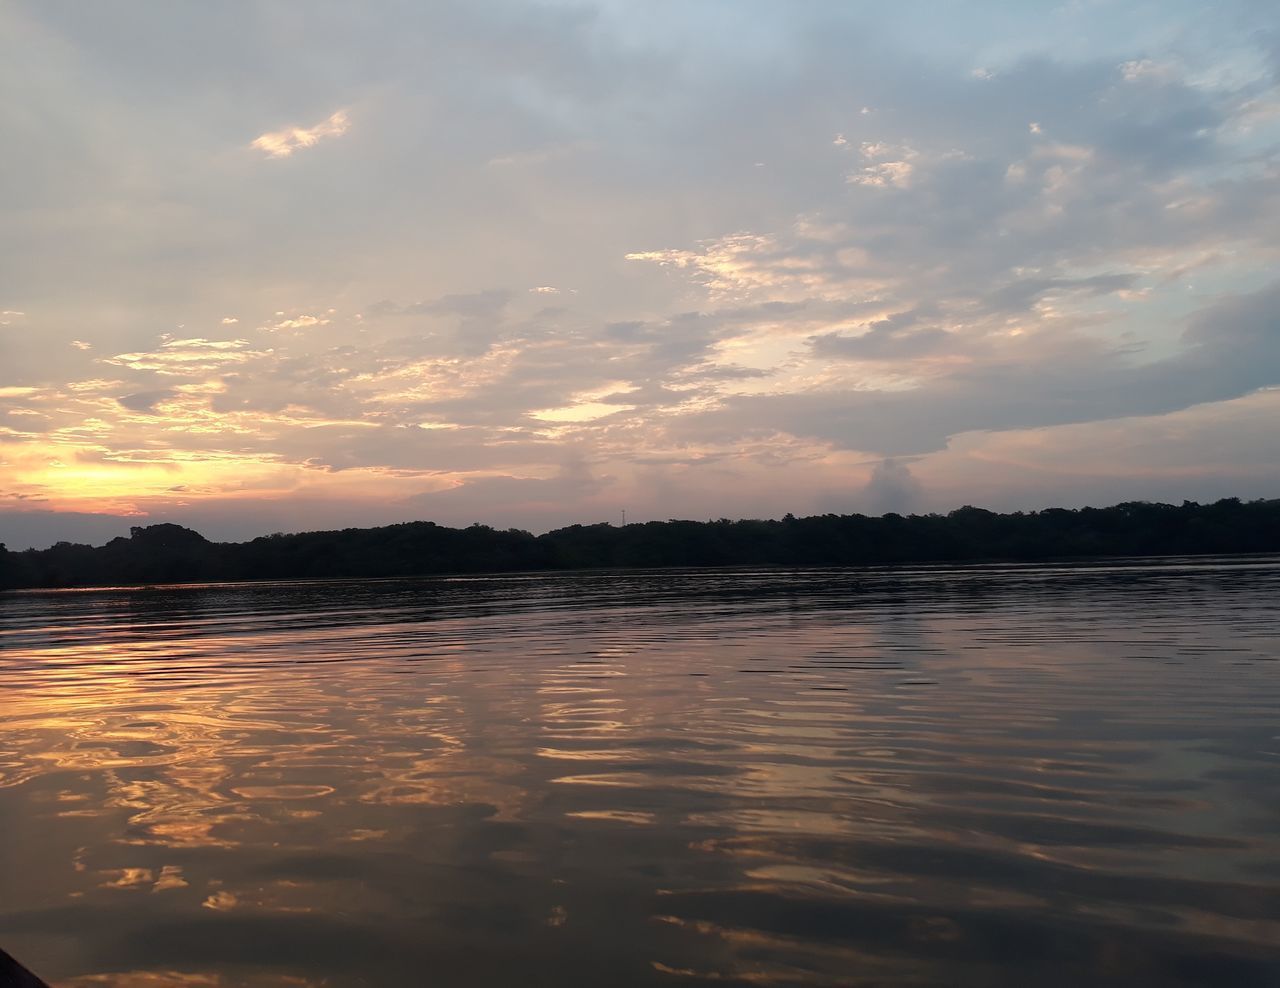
pixel 892 487
pixel 898 337
pixel 1233 348
pixel 145 401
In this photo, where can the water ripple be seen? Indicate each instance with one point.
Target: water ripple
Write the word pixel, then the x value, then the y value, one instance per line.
pixel 940 775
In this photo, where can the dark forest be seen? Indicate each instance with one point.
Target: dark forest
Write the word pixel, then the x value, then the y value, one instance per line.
pixel 167 553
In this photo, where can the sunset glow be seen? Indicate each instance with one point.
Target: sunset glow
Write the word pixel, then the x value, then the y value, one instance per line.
pixel 510 271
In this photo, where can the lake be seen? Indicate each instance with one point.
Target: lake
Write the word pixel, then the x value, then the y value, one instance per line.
pixel 983 775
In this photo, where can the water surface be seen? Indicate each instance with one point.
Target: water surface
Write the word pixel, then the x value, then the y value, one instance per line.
pixel 938 776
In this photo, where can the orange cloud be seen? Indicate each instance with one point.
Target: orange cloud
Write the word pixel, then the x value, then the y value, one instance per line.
pixel 283 143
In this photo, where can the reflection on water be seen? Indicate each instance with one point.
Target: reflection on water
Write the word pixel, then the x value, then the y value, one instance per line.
pixel 959 776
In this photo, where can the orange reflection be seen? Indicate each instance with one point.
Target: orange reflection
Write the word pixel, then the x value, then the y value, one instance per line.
pixel 563 774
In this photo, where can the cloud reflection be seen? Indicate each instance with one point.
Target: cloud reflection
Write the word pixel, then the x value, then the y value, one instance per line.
pixel 795 775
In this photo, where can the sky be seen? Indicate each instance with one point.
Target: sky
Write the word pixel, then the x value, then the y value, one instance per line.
pixel 279 266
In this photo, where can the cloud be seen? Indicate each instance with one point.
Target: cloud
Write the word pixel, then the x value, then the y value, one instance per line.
pixel 892 487
pixel 728 266
pixel 146 401
pixel 897 337
pixel 914 272
pixel 1146 69
pixel 283 143
pixel 896 172
pixel 884 174
pixel 186 356
pixel 1230 349
pixel 1023 295
pixel 305 321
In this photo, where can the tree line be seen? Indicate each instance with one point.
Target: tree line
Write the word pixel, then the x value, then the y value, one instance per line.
pixel 168 553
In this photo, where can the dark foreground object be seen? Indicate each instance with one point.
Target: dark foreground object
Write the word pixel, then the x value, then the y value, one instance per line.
pixel 173 554
pixel 14 975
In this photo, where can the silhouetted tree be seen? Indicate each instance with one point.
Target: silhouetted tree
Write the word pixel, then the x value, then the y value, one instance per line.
pixel 170 553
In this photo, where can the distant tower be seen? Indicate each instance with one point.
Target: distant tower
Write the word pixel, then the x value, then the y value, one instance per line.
pixel 624 517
